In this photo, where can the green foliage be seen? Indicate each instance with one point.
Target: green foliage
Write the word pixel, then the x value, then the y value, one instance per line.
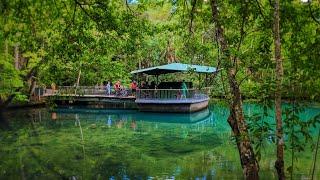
pixel 108 39
pixel 20 98
pixel 261 127
pixel 9 77
pixel 298 132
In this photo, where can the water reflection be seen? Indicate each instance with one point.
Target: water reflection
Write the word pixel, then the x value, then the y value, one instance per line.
pixel 109 121
pixel 53 116
pixel 88 143
pixel 135 120
pixel 78 143
pixel 204 116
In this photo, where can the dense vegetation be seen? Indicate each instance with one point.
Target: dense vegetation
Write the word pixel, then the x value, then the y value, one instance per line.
pixel 46 42
pixel 51 41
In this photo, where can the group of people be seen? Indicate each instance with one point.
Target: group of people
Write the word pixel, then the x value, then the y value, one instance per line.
pixel 120 89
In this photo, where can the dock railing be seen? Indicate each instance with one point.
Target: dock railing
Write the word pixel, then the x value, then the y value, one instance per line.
pixel 80 90
pixel 86 90
pixel 171 94
pixel 148 94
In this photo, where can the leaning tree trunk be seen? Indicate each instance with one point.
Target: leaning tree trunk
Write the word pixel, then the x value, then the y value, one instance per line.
pixel 78 79
pixel 32 87
pixel 16 57
pixel 236 118
pixel 279 164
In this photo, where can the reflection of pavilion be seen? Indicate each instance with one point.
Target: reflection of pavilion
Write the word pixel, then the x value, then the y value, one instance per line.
pixel 198 118
pixel 209 120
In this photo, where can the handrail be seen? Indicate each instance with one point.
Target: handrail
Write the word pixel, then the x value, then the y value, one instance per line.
pixel 88 90
pixel 160 94
pixel 168 94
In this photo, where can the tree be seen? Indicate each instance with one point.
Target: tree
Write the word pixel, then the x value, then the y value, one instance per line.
pixel 236 118
pixel 279 164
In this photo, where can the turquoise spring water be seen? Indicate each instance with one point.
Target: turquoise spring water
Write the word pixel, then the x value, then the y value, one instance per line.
pixel 80 143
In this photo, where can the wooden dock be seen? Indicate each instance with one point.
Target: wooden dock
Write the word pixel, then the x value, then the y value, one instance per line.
pixel 156 100
pixel 90 97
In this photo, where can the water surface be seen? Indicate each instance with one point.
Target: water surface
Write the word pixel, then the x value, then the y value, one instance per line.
pixel 80 143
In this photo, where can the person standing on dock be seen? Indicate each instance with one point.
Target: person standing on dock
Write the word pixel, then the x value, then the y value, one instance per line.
pixel 184 89
pixel 117 88
pixel 108 88
pixel 133 86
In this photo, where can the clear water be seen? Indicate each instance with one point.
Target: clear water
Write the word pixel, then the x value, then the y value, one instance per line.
pixel 79 143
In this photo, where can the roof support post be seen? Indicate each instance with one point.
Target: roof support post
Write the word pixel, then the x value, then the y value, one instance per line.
pixel 157 81
pixel 206 81
pixel 199 81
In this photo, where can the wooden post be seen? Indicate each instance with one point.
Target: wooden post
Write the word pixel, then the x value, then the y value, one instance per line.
pixel 39 94
pixel 157 82
pixel 205 81
pixel 199 81
pixel 78 81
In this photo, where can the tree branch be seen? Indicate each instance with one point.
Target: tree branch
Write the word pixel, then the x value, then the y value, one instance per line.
pixel 193 8
pixel 311 13
pixel 93 19
pixel 244 7
pixel 74 12
pixel 5 103
pixel 127 4
pixel 260 10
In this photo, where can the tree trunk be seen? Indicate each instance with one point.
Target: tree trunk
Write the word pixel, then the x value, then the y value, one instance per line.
pixel 78 79
pixel 16 57
pixel 6 50
pixel 5 102
pixel 315 156
pixel 32 87
pixel 236 118
pixel 279 164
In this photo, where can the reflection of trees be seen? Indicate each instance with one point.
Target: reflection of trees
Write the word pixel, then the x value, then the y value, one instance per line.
pixel 78 123
pixel 110 151
pixel 4 124
pixel 29 146
pixel 70 146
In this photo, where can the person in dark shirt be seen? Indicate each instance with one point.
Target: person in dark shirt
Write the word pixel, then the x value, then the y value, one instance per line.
pixel 133 87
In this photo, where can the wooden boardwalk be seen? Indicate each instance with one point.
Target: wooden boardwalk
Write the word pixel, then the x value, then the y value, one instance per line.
pixel 90 96
pixel 156 100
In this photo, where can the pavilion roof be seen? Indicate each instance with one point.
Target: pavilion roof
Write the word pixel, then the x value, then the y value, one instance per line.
pixel 175 67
